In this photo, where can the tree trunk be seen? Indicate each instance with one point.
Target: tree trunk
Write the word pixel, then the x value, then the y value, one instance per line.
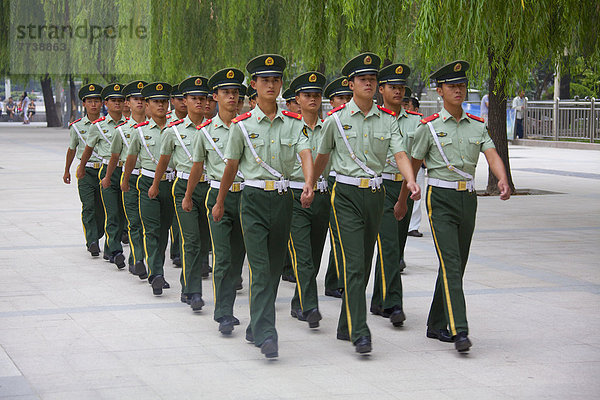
pixel 497 123
pixel 72 99
pixel 52 119
pixel 565 79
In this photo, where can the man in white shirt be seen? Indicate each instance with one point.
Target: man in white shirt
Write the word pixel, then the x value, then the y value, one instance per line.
pixel 519 104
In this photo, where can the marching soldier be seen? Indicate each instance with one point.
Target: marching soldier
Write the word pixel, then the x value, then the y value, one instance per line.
pixel 290 100
pixel 178 111
pixel 176 148
pixel 226 234
pixel 120 145
pixel 264 144
pixel 100 139
pixel 92 212
pixel 242 97
pixel 156 213
pixel 251 93
pixel 391 240
pixel 210 109
pixel 450 142
pixel 338 93
pixel 358 135
pixel 309 225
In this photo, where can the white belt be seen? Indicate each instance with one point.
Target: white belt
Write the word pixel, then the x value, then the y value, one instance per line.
pixel 321 185
pixel 363 183
pixel 235 186
pixel 456 185
pixel 106 161
pixel 332 173
pixel 280 185
pixel 135 171
pixel 167 176
pixel 185 175
pixel 392 177
pixel 95 165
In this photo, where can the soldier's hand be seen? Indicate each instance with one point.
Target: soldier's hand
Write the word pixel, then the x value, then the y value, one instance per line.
pixel 80 171
pixel 307 196
pixel 504 190
pixel 153 191
pixel 105 182
pixel 400 209
pixel 125 186
pixel 186 204
pixel 415 190
pixel 67 177
pixel 217 212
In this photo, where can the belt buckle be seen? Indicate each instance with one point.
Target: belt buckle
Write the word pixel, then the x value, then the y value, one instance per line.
pixel 97 165
pixel 120 163
pixel 462 186
pixel 398 177
pixel 236 187
pixel 364 183
pixel 202 178
pixel 269 185
pixel 164 177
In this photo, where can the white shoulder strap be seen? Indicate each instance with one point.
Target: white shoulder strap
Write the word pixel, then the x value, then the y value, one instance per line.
pixel 178 136
pixel 358 162
pixel 83 141
pixel 102 133
pixel 263 164
pixel 141 132
pixel 448 165
pixel 123 137
pixel 216 149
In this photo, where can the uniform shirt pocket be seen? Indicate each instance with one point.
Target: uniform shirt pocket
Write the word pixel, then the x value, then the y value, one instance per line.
pixel 288 148
pixel 350 136
pixel 381 143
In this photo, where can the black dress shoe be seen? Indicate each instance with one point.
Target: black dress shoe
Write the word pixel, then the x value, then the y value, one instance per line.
pixel 226 325
pixel 166 285
pixel 462 342
pixel 440 334
pixel 363 345
pixel 297 313
pixel 196 302
pixel 415 233
pixel 184 298
pixel 249 336
pixel 402 265
pixel 395 314
pixel 119 260
pixel 343 336
pixel 337 293
pixel 288 278
pixel 376 310
pixel 125 238
pixel 239 285
pixel 157 285
pixel 139 269
pixel 313 317
pixel 94 249
pixel 106 256
pixel 235 321
pixel 132 269
pixel 269 347
pixel 177 262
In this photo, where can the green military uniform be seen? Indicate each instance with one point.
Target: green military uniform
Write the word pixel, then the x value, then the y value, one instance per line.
pixel 451 201
pixel 266 205
pixel 226 235
pixel 333 283
pixel 175 230
pixel 101 137
pixel 177 142
pixel 357 196
pixel 88 187
pixel 131 208
pixel 157 213
pixel 309 225
pixel 391 240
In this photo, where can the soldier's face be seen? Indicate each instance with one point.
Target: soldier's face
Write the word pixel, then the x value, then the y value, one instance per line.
pixel 92 105
pixel 337 101
pixel 452 93
pixel 136 104
pixel 293 106
pixel 210 107
pixel 240 105
pixel 309 101
pixel 158 107
pixel 252 103
pixel 179 105
pixel 363 86
pixel 227 98
pixel 115 105
pixel 267 87
pixel 392 94
pixel 195 104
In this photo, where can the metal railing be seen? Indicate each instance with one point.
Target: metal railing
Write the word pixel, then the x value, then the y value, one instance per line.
pixel 563 119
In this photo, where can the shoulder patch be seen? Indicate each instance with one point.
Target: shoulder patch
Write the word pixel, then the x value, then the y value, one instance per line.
pixel 141 124
pixel 475 117
pixel 77 120
pixel 202 125
pixel 121 124
pixel 169 116
pixel 430 118
pixel 169 112
pixel 99 119
pixel 385 110
pixel 414 113
pixel 126 118
pixel 291 114
pixel 241 117
pixel 175 123
pixel 338 108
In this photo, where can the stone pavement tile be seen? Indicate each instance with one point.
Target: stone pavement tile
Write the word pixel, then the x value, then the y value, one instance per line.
pixel 7 367
pixel 71 380
pixel 15 386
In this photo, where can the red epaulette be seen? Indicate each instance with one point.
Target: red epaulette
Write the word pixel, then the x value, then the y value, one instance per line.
pixel 122 123
pixel 169 112
pixel 126 119
pixel 385 110
pixel 322 120
pixel 430 118
pixel 175 123
pixel 141 124
pixel 475 117
pixel 77 120
pixel 202 125
pixel 338 108
pixel 241 117
pixel 291 114
pixel 169 116
pixel 414 113
pixel 99 119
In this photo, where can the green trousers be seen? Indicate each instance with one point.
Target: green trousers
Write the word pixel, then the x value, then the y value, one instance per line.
pixel 357 213
pixel 307 239
pixel 175 234
pixel 92 212
pixel 112 200
pixel 391 240
pixel 193 232
pixel 266 218
pixel 332 276
pixel 228 251
pixel 131 206
pixel 157 217
pixel 452 219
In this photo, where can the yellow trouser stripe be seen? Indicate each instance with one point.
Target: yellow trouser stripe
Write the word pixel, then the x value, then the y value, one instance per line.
pixel 292 250
pixel 337 225
pixel 212 244
pixel 443 266
pixel 249 267
pixel 128 222
pixel 182 255
pixel 335 262
pixel 137 185
pixel 383 284
pixel 103 205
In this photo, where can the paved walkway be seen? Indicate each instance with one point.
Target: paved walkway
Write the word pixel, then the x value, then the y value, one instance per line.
pixel 76 328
